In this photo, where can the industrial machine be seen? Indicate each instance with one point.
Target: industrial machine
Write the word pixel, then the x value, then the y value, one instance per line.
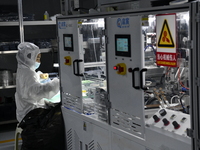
pixel 128 79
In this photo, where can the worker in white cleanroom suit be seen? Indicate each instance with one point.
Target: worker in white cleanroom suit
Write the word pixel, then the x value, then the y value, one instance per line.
pixel 29 90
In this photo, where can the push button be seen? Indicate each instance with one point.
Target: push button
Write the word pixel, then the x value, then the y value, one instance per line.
pixel 68 60
pixel 130 69
pixel 162 112
pixel 121 69
pixel 115 68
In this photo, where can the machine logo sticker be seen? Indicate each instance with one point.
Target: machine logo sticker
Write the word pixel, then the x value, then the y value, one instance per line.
pixel 123 22
pixel 62 25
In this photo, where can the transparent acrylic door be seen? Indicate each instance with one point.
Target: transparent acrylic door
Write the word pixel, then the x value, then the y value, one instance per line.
pixel 94 88
pixel 166 57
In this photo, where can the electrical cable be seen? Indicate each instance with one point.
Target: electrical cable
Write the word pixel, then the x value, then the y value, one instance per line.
pixel 161 79
pixel 173 98
pixel 181 102
pixel 151 47
pixel 151 100
pixel 179 78
pixel 168 68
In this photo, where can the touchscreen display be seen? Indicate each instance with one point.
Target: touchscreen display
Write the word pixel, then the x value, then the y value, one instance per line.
pixel 68 42
pixel 122 44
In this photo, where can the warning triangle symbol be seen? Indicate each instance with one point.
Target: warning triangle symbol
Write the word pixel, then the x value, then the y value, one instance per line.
pixel 165 39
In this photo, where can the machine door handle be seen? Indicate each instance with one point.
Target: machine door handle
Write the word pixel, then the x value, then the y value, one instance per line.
pixel 133 78
pixel 141 79
pixel 77 62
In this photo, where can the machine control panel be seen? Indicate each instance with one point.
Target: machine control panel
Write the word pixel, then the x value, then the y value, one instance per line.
pixel 170 120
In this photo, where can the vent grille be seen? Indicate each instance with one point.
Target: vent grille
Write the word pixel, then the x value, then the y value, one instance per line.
pixel 69 140
pixel 130 123
pixel 72 102
pixel 76 139
pixel 98 146
pixel 88 108
pixel 91 145
pixel 101 101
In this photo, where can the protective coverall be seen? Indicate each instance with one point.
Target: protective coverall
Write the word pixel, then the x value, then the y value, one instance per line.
pixel 29 91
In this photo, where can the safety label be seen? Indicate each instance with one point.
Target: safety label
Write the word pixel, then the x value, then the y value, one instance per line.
pixel 166 40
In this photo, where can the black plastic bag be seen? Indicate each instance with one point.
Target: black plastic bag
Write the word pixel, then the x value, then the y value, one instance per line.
pixel 43 129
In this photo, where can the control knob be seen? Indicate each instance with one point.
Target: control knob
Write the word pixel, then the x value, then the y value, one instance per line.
pixel 166 122
pixel 156 118
pixel 176 125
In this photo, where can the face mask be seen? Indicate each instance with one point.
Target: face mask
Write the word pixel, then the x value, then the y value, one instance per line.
pixel 37 65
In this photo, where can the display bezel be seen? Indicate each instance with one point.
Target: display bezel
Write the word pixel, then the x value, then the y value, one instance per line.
pixel 121 53
pixel 72 46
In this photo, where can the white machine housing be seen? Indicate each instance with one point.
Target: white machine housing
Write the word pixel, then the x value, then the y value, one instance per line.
pixel 127 128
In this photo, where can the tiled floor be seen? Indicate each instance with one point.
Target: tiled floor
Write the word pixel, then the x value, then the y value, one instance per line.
pixel 7 136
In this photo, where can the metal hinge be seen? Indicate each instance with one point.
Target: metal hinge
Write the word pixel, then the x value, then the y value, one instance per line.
pixel 58 39
pixel 190 132
pixel 190 44
pixel 61 89
pixel 108 105
pixel 197 81
pixel 197 17
pixel 198 143
pixel 106 39
pixel 103 32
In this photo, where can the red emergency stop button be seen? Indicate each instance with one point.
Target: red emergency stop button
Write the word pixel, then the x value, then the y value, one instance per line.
pixel 121 68
pixel 68 60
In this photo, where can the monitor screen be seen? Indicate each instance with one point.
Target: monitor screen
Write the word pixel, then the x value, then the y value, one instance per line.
pixel 122 45
pixel 68 42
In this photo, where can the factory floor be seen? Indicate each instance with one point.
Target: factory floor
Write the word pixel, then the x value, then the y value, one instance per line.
pixel 7 136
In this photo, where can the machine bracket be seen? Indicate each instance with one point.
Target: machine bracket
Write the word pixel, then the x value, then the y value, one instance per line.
pixel 190 44
pixel 198 143
pixel 190 133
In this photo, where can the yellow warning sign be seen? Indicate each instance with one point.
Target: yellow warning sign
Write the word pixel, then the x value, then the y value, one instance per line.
pixel 165 38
